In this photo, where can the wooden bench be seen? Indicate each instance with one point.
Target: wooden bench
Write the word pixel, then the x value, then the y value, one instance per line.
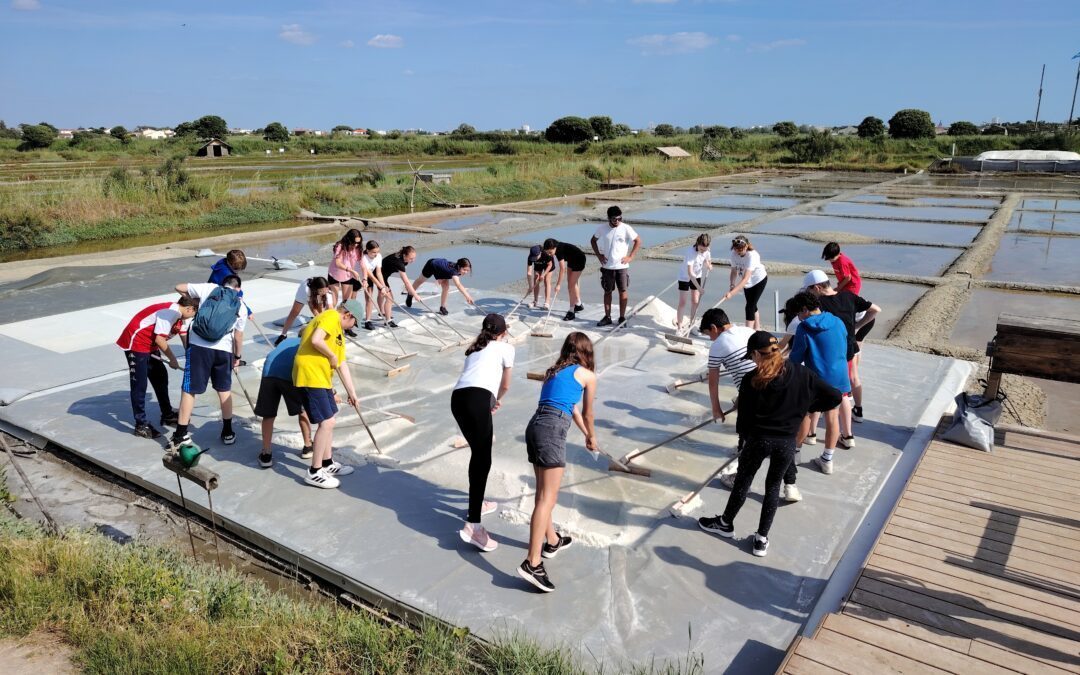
pixel 1034 347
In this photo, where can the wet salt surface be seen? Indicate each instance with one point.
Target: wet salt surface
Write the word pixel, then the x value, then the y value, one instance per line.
pixel 580 235
pixel 977 322
pixel 907 231
pixel 690 215
pixel 741 201
pixel 889 258
pixel 1034 259
pixel 929 213
pixel 975 202
pixel 1051 204
pixel 992 182
pixel 1060 221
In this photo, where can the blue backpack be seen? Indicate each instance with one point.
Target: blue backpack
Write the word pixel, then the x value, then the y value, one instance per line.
pixel 217 314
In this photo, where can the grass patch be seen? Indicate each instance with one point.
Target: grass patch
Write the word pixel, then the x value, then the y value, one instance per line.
pixel 138 608
pixel 5 494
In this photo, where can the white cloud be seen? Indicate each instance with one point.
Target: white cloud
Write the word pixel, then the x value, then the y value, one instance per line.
pixel 293 33
pixel 348 44
pixel 674 43
pixel 25 5
pixel 732 37
pixel 775 44
pixel 407 72
pixel 387 41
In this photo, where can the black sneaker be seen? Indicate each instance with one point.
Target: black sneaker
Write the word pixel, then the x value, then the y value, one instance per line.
pixel 408 301
pixel 307 452
pixel 266 460
pixel 443 311
pixel 761 545
pixel 369 326
pixel 537 576
pixel 569 316
pixel 350 332
pixel 279 340
pixel 716 525
pixel 170 419
pixel 179 439
pixel 549 551
pixel 856 413
pixel 391 324
pixel 606 321
pixel 579 308
pixel 622 320
pixel 228 437
pixel 146 431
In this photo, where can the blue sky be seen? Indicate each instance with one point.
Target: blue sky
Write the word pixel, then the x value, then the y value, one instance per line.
pixel 434 64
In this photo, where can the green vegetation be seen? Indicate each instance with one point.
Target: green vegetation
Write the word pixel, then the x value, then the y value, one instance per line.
pixel 569 130
pixel 911 123
pixel 871 127
pixel 276 132
pixel 785 129
pixel 5 494
pixel 963 129
pixel 139 608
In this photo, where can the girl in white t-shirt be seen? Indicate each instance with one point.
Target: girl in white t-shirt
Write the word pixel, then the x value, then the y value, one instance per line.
pixel 696 266
pixel 314 292
pixel 484 380
pixel 371 279
pixel 749 276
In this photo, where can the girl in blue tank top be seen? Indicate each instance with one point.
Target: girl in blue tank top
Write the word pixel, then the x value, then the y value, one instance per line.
pixel 571 379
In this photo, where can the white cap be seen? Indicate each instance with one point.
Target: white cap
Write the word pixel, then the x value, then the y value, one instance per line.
pixel 813 278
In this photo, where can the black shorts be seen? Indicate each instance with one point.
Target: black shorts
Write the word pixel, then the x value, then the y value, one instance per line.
pixel 430 271
pixel 576 264
pixel 864 331
pixel 687 286
pixel 539 267
pixel 271 391
pixel 612 279
pixel 356 285
pixel 205 364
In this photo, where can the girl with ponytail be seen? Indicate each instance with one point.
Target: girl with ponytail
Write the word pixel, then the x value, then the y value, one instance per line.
pixel 316 294
pixel 773 401
pixel 391 265
pixel 484 381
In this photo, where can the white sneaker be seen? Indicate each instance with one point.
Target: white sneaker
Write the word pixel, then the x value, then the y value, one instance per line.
pixel 336 468
pixel 488 507
pixel 846 442
pixel 321 479
pixel 823 465
pixel 791 493
pixel 728 480
pixel 811 439
pixel 478 537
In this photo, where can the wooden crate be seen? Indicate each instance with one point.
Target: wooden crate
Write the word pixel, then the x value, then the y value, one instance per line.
pixel 1036 347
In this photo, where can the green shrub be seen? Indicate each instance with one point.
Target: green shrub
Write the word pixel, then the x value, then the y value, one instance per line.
pixel 785 129
pixel 911 123
pixel 569 129
pixel 817 146
pixel 871 127
pixel 963 129
pixel 503 148
pixel 592 172
pixel 21 230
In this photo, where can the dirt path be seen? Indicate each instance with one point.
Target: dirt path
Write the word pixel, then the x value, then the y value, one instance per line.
pixel 36 654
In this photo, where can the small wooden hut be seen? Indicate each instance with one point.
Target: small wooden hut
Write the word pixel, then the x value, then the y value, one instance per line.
pixel 215 147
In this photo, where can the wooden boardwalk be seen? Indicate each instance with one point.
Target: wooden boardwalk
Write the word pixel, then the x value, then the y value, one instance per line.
pixel 976 571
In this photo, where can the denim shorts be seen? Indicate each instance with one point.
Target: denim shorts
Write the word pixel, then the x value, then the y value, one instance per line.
pixel 319 404
pixel 545 437
pixel 205 365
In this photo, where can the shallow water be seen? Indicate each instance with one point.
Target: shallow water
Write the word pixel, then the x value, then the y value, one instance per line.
pixel 581 234
pixel 977 322
pixel 318 247
pixel 1060 221
pixel 1035 259
pixel 1051 204
pixel 690 215
pixel 928 213
pixel 975 202
pixel 993 181
pixel 888 258
pixel 741 201
pixel 914 232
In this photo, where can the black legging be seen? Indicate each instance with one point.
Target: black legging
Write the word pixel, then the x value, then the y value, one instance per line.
pixel 753 294
pixel 471 407
pixel 780 453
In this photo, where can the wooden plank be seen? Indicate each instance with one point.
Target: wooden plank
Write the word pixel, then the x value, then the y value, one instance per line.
pixel 1017 473
pixel 975 624
pixel 869 658
pixel 980 495
pixel 1056 325
pixel 1005 487
pixel 1015 540
pixel 991 581
pixel 800 665
pixel 1059 448
pixel 988 560
pixel 900 625
pixel 812 650
pixel 1008 458
pixel 945 500
pixel 1019 530
pixel 1008 606
pixel 1010 659
pixel 917 527
pixel 905 645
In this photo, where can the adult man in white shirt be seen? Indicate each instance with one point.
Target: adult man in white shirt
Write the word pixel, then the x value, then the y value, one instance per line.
pixel 612 246
pixel 211 361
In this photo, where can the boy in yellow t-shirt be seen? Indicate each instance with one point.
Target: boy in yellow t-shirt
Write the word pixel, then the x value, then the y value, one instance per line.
pixel 321 352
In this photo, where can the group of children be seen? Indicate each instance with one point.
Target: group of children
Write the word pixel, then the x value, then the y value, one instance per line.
pixel 780 395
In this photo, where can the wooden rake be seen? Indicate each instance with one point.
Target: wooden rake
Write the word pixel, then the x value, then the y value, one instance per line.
pixel 445 345
pixel 442 319
pixel 677 336
pixel 680 507
pixel 393 370
pixel 682 383
pixel 634 454
pixel 634 312
pixel 405 354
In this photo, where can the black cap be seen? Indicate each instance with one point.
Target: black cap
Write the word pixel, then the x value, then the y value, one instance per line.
pixel 494 323
pixel 760 340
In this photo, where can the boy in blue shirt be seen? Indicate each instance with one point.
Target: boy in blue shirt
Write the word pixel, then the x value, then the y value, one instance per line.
pixel 821 344
pixel 234 262
pixel 277 384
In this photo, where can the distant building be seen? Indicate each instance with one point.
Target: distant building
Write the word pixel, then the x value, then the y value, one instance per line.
pixel 154 134
pixel 215 147
pixel 240 132
pixel 358 132
pixel 673 152
pixel 940 130
pixel 66 133
pixel 380 132
pixel 847 131
pixel 525 128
